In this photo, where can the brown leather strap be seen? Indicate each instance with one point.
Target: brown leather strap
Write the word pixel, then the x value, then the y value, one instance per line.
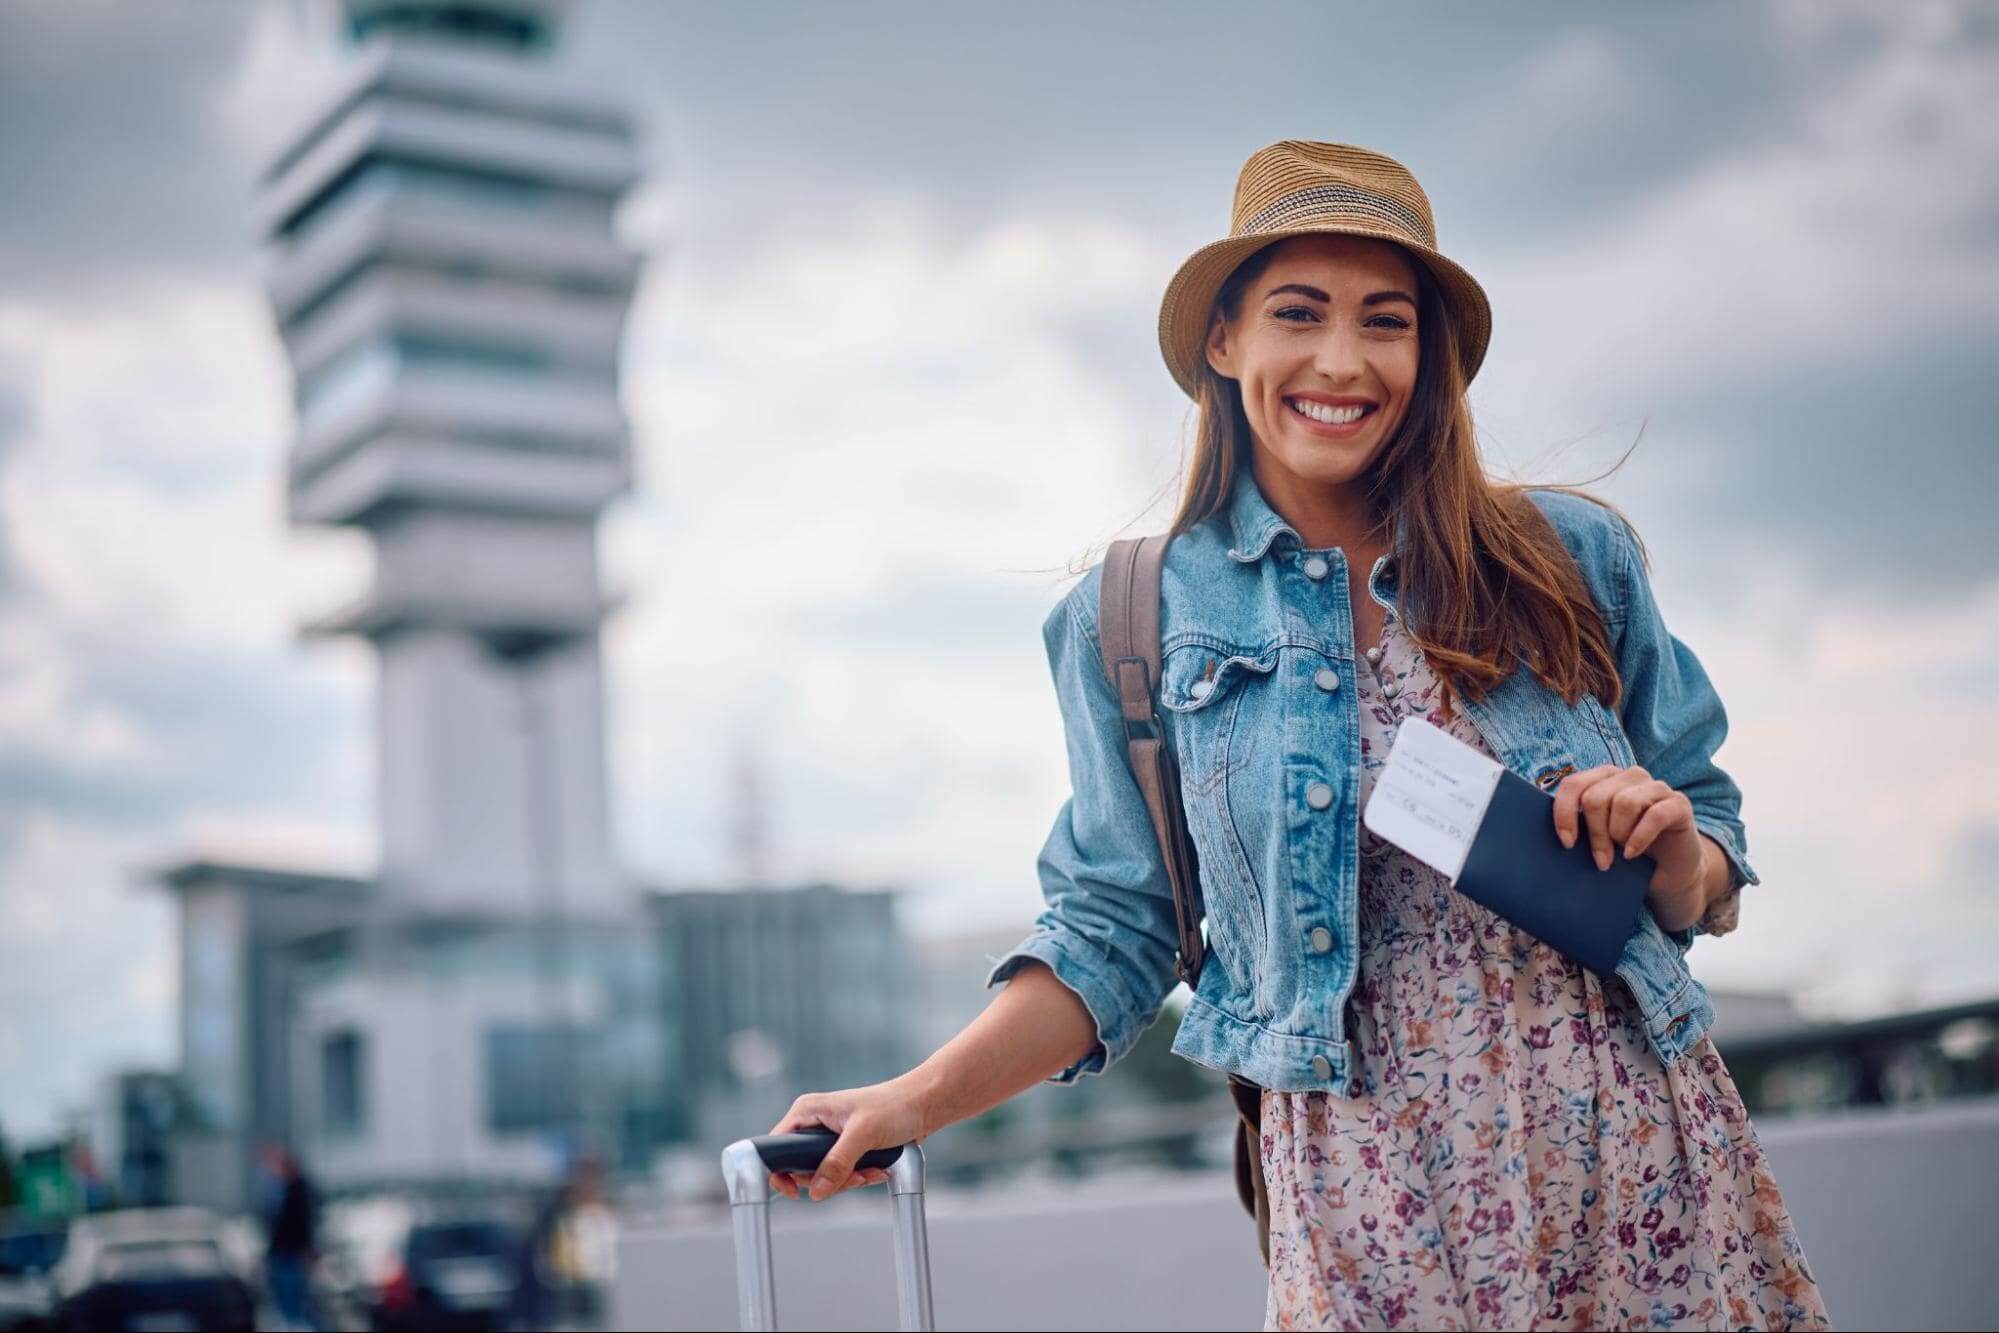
pixel 1249 1182
pixel 1128 629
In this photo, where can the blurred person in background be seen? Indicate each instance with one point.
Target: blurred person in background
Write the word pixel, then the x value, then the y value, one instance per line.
pixel 583 1250
pixel 561 1264
pixel 291 1226
pixel 1452 1124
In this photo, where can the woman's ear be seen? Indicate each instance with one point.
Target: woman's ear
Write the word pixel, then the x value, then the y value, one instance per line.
pixel 1220 356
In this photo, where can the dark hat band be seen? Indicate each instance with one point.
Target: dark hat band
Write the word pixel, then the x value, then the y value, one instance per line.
pixel 1312 201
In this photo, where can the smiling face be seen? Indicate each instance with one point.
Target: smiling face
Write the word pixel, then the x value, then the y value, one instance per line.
pixel 1324 347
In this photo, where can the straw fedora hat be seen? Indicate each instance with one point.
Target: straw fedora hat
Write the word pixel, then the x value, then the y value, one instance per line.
pixel 1296 187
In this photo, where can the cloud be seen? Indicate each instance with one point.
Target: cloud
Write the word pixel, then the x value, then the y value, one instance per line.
pixel 149 677
pixel 15 407
pixel 72 913
pixel 868 463
pixel 1862 729
pixel 1806 319
pixel 130 91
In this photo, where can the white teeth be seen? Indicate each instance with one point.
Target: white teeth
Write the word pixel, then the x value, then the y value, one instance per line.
pixel 1331 416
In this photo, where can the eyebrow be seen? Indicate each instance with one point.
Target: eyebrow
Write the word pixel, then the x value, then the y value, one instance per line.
pixel 1372 298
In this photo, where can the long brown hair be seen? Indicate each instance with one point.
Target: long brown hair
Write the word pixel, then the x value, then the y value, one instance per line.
pixel 1483 578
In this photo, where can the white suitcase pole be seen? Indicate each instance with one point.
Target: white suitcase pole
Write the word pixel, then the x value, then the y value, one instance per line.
pixel 746 1166
pixel 749 1209
pixel 912 1240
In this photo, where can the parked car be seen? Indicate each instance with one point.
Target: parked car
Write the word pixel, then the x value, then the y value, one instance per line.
pixel 451 1274
pixel 29 1248
pixel 151 1268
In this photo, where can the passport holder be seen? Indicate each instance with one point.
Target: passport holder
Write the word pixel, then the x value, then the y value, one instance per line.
pixel 1518 868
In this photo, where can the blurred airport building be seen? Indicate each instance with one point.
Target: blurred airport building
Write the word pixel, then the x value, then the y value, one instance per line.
pixel 501 995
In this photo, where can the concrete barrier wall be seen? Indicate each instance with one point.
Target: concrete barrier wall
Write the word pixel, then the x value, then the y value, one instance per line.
pixel 1898 1211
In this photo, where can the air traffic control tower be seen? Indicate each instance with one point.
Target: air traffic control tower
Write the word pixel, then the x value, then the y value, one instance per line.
pixel 451 297
pixel 446 282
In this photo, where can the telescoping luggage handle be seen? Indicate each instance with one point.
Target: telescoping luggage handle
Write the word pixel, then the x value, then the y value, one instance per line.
pixel 747 1164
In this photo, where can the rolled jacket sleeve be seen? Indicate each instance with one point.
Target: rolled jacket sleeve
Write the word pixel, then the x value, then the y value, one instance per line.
pixel 1675 722
pixel 1107 931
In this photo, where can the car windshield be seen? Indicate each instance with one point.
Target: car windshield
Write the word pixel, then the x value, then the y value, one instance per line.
pixel 159 1258
pixel 456 1240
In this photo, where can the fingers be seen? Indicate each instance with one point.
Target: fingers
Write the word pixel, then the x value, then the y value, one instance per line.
pixel 851 1116
pixel 1663 815
pixel 791 1185
pixel 1568 798
pixel 1609 802
pixel 838 1164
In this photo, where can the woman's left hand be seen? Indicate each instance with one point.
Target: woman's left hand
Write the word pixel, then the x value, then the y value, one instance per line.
pixel 1631 808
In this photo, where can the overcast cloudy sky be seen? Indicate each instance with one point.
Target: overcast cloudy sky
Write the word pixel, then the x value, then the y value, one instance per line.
pixel 893 368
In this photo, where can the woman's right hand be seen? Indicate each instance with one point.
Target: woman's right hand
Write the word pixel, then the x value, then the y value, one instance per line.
pixel 881 1115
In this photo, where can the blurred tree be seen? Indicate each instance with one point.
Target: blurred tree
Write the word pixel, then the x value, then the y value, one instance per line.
pixel 10 1190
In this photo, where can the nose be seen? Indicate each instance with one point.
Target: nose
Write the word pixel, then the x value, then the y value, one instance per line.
pixel 1339 354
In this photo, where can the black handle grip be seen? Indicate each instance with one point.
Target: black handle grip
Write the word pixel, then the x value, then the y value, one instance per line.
pixel 802 1152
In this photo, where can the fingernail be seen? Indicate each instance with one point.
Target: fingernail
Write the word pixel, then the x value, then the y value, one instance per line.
pixel 1602 861
pixel 1627 851
pixel 820 1185
pixel 1568 838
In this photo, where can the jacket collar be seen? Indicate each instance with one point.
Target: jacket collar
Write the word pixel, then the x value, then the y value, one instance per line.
pixel 1254 522
pixel 1255 525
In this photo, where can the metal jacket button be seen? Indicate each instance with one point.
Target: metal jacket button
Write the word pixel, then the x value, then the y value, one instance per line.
pixel 1322 1066
pixel 1316 567
pixel 1326 678
pixel 1322 939
pixel 1318 796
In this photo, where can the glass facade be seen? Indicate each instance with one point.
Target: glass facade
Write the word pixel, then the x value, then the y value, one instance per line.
pixel 343 1085
pixel 532 1075
pixel 214 977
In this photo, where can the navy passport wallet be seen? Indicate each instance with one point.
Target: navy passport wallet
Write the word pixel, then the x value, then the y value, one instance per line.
pixel 1517 867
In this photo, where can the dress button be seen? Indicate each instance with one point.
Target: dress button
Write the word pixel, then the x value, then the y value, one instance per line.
pixel 1374 657
pixel 1318 796
pixel 1322 1066
pixel 1201 689
pixel 1390 688
pixel 1316 567
pixel 1326 678
pixel 1322 939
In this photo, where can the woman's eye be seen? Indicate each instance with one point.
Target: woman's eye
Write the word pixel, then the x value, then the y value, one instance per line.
pixel 1394 321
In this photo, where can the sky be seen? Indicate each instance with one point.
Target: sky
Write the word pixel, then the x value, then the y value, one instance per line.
pixel 893 377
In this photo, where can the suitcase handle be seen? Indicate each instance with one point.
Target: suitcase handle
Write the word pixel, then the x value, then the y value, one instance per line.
pixel 746 1166
pixel 805 1150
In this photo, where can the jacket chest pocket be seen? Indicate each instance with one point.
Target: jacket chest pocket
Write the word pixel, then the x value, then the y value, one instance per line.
pixel 1210 696
pixel 1203 689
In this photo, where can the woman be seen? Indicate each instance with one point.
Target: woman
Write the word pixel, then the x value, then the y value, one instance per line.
pixel 1460 1127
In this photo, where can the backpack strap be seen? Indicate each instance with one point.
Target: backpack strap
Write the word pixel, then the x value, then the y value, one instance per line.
pixel 1128 629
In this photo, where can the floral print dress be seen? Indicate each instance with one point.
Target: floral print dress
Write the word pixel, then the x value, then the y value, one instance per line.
pixel 1513 1155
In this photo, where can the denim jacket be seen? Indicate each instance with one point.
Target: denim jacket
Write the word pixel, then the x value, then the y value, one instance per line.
pixel 1266 622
